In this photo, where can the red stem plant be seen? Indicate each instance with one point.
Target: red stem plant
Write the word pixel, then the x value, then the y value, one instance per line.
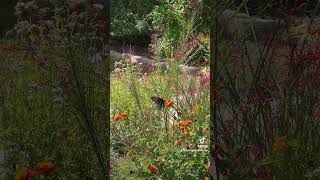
pixel 268 122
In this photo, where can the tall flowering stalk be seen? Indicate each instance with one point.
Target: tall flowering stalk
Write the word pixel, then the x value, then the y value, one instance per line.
pixel 63 53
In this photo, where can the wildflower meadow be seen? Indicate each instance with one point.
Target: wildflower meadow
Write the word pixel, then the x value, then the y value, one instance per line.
pixel 159 89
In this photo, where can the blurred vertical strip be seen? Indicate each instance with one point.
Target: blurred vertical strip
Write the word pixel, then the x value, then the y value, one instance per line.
pixel 107 20
pixel 213 14
pixel 7 21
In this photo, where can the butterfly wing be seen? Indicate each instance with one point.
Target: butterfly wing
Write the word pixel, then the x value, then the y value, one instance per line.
pixel 159 102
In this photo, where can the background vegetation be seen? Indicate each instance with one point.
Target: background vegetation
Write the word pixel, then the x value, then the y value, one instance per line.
pixel 53 94
pixel 147 143
pixel 267 124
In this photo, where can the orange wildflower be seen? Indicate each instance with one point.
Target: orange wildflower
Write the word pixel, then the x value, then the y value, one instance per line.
pixel 169 103
pixel 45 168
pixel 185 123
pixel 125 115
pixel 279 144
pixel 23 174
pixel 153 169
pixel 117 117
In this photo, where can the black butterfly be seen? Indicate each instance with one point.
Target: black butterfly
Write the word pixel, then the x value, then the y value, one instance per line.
pixel 159 102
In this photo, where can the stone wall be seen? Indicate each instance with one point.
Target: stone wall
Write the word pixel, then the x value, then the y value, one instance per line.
pixel 244 27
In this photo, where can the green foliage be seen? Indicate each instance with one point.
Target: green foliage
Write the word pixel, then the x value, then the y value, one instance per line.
pixel 142 138
pixel 178 23
pixel 130 18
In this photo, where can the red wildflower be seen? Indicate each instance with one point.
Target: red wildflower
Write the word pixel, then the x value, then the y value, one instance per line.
pixel 117 117
pixel 45 168
pixel 8 49
pixel 312 59
pixel 153 169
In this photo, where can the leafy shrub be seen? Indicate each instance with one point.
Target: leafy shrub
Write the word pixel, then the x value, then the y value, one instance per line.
pixel 129 19
pixel 178 23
